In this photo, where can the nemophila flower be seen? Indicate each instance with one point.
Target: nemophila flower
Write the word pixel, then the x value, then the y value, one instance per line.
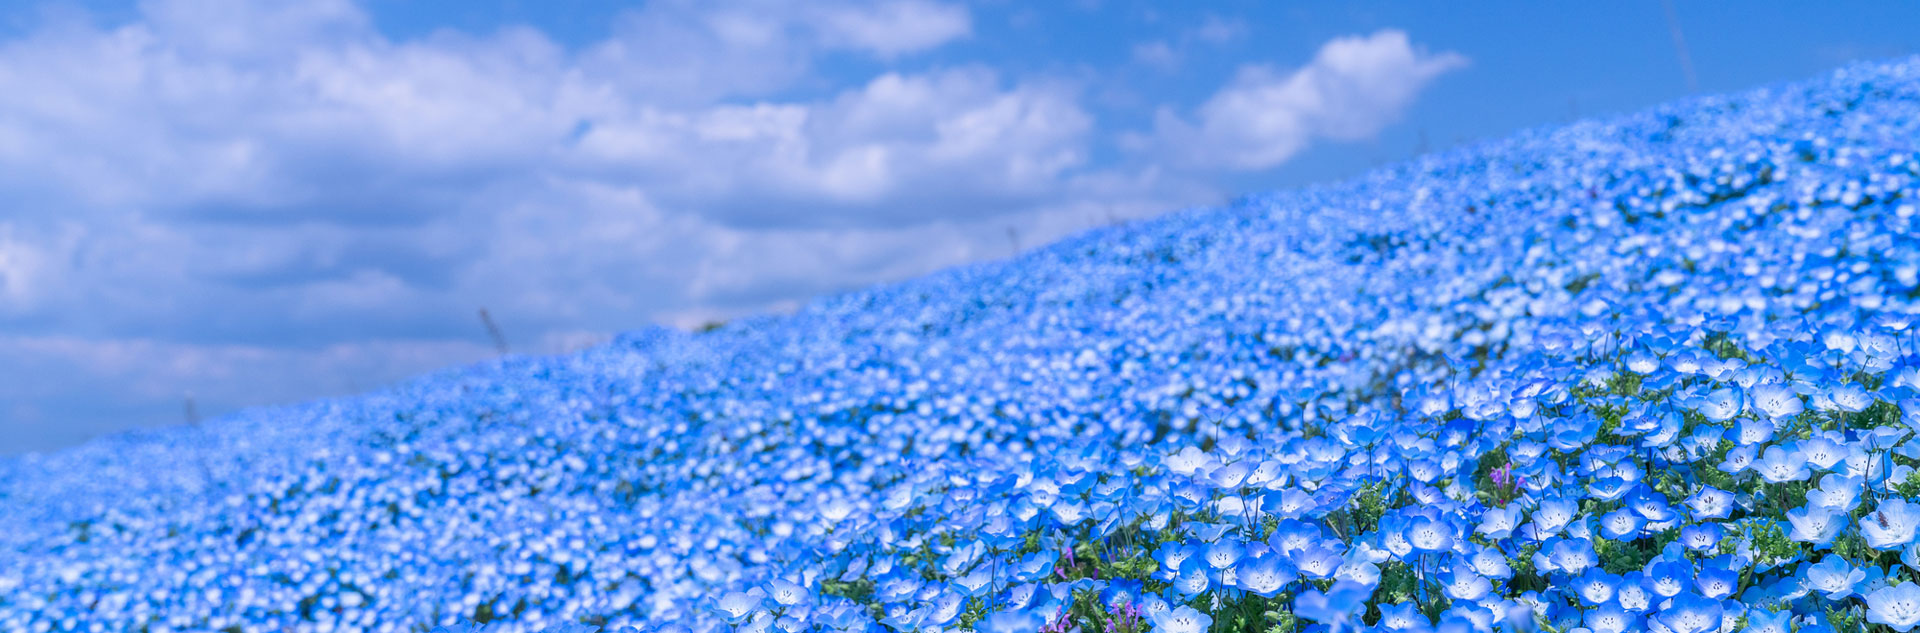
pixel 1499 523
pixel 1641 362
pixel 1428 535
pixel 1748 432
pixel 1837 492
pixel 1776 401
pixel 1815 524
pixel 1702 439
pixel 1911 556
pixel 1764 621
pixel 1710 503
pixel 1661 430
pixel 1740 459
pixel 1013 621
pixel 1701 537
pixel 1782 464
pixel 1291 503
pixel 1359 571
pixel 1691 613
pixel 1223 553
pixel 1193 579
pixel 1402 616
pixel 1622 524
pixel 1183 619
pixel 1552 516
pixel 1611 488
pixel 1293 535
pixel 1610 618
pixel 1850 397
pixel 1823 453
pixel 1230 476
pixel 1263 575
pixel 1596 587
pixel 1715 581
pixel 1898 606
pixel 1317 562
pixel 787 594
pixel 1667 578
pixel 1833 577
pixel 1490 562
pixel 976 581
pixel 1570 556
pixel 1891 525
pixel 1650 505
pixel 1721 404
pixel 1171 557
pixel 1462 583
pixel 1019 596
pixel 736 606
pixel 1631 594
pixel 1336 607
pixel 946 608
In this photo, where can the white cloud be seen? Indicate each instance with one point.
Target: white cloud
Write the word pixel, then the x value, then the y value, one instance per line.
pixel 1157 54
pixel 1354 87
pixel 1218 30
pixel 21 266
pixel 900 149
pixel 896 27
pixel 225 196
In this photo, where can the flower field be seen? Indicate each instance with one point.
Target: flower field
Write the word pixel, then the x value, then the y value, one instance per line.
pixel 1659 372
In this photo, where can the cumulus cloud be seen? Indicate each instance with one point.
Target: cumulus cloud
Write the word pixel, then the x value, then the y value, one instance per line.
pixel 1354 87
pixel 245 199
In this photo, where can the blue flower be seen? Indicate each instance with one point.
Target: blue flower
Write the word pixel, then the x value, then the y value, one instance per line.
pixel 1171 556
pixel 1781 465
pixel 1596 587
pixel 1015 621
pixel 1336 607
pixel 1611 618
pixel 1890 526
pixel 737 605
pixel 1837 492
pixel 1721 404
pixel 1265 575
pixel 1834 577
pixel 1701 537
pixel 1764 621
pixel 1499 523
pixel 1223 553
pixel 1898 606
pixel 1715 581
pixel 1461 583
pixel 1571 556
pixel 1491 562
pixel 1193 578
pixel 1429 535
pixel 1183 619
pixel 1667 578
pixel 1621 525
pixel 787 594
pixel 1814 524
pixel 1710 503
pixel 1691 613
pixel 1402 616
pixel 1317 562
pixel 1777 401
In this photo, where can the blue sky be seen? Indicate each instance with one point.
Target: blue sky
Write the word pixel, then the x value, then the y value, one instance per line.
pixel 265 202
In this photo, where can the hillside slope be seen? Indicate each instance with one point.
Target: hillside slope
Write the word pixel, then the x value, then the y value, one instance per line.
pixel 1610 312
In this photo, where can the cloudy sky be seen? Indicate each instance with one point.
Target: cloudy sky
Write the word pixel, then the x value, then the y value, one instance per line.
pixel 269 201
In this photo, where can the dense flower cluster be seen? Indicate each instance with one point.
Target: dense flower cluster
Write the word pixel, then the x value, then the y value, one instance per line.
pixel 1656 373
